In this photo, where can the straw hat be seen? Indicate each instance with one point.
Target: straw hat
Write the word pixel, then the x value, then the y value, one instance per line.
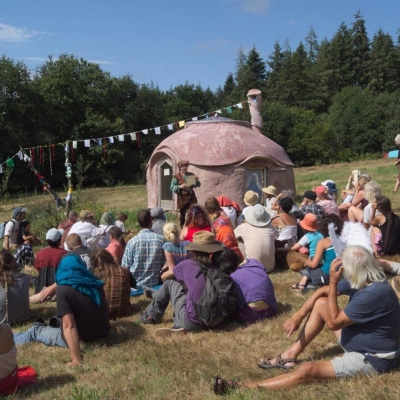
pixel 205 242
pixel 309 222
pixel 258 216
pixel 250 198
pixel 84 214
pixel 270 190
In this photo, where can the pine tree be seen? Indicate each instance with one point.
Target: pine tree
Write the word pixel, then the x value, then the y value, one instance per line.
pixel 360 51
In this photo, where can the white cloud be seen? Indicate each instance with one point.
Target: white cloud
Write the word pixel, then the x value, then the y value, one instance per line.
pixel 13 34
pixel 254 6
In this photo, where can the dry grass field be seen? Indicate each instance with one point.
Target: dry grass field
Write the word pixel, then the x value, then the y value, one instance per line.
pixel 132 364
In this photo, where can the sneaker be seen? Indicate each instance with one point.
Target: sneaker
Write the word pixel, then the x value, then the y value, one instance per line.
pixel 146 319
pixel 39 322
pixel 165 332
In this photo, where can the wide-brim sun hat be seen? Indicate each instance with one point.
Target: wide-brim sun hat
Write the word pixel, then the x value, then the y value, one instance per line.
pixel 205 242
pixel 309 222
pixel 258 216
pixel 250 198
pixel 269 190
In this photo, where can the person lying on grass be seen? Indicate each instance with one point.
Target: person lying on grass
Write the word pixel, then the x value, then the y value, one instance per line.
pixel 367 328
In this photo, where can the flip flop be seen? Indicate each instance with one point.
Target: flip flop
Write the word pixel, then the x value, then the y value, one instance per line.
pixel 265 363
pixel 297 285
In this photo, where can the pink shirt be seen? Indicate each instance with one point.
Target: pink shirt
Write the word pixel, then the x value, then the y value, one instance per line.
pixel 116 250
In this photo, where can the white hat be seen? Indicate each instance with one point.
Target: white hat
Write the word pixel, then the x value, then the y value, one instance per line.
pixel 54 234
pixel 258 216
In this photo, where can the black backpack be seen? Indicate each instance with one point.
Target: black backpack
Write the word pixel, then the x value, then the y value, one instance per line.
pixel 219 299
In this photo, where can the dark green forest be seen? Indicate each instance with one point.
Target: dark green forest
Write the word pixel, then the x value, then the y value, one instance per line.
pixel 324 101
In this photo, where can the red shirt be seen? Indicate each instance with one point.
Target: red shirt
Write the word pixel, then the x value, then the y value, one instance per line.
pixel 49 257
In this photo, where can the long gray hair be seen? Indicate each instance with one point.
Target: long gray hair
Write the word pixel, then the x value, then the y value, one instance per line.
pixel 360 267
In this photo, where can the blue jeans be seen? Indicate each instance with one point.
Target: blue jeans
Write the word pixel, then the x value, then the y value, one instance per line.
pixel 42 334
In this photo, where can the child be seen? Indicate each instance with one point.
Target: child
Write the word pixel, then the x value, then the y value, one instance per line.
pixel 25 235
pixel 309 240
pixel 120 223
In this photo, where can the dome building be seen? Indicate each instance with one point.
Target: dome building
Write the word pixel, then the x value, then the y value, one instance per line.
pixel 228 156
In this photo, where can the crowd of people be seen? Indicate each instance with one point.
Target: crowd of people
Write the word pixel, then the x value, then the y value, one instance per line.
pixel 337 243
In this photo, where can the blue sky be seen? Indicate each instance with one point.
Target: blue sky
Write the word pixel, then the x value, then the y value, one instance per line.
pixel 170 42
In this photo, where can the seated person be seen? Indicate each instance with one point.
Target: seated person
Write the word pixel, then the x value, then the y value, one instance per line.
pixel 385 229
pixel 270 197
pixel 25 235
pixel 310 205
pixel 256 297
pixel 368 328
pixel 144 255
pixel 82 306
pixel 11 377
pixel 117 244
pixel 256 237
pixel 46 262
pixel 371 191
pixel 120 223
pixel 107 221
pixel 222 226
pixel 354 196
pixel 174 249
pixel 74 244
pixel 158 218
pixel 231 209
pixel 308 242
pixel 14 289
pixel 197 220
pixel 117 282
pixel 316 269
pixel 330 206
pixel 182 282
pixel 285 223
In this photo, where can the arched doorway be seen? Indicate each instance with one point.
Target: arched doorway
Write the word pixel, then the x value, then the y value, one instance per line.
pixel 166 200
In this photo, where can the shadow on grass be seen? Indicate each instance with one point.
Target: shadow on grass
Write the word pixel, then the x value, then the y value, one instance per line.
pixel 44 384
pixel 284 307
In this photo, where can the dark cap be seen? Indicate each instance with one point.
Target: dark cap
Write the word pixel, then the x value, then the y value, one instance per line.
pixel 309 194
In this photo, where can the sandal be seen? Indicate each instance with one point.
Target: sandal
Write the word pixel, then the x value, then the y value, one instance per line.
pixel 298 285
pixel 280 362
pixel 223 386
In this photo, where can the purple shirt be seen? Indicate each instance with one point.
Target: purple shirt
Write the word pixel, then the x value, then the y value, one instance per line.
pixel 253 284
pixel 186 272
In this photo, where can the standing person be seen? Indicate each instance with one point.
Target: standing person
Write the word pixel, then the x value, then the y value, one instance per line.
pixel 11 229
pixel 270 197
pixel 144 254
pixel 183 184
pixel 368 328
pixel 82 306
pixel 397 164
pixel 256 237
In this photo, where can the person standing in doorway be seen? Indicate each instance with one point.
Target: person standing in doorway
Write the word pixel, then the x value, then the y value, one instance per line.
pixel 183 184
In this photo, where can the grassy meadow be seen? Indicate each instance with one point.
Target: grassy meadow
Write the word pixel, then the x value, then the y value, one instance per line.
pixel 132 364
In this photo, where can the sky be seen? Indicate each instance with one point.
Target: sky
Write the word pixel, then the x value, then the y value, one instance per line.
pixel 171 42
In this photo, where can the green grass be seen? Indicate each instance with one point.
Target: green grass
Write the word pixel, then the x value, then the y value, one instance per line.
pixel 132 364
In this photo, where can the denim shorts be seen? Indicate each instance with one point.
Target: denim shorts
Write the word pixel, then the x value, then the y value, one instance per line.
pixel 352 363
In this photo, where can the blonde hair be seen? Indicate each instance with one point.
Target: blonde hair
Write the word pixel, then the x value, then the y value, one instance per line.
pixel 371 191
pixel 360 267
pixel 171 232
pixel 363 179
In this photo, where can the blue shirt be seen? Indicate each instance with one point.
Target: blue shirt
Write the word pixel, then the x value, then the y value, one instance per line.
pixel 144 256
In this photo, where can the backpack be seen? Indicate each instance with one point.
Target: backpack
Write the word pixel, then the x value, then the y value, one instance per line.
pixel 3 227
pixel 219 299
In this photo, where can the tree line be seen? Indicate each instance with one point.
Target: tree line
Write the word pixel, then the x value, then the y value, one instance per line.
pixel 326 101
